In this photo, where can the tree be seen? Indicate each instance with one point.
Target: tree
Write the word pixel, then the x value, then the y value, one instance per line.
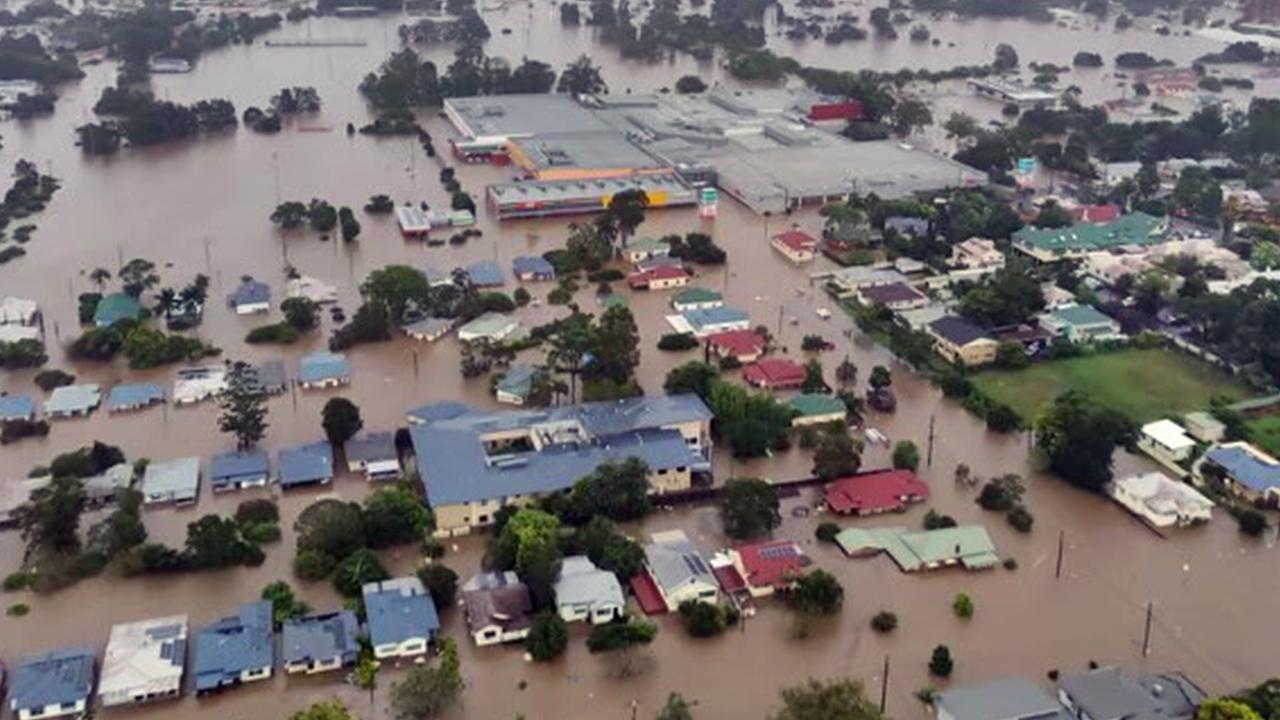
pixel 962 606
pixel 1052 215
pixel 330 527
pixel 701 619
pixel 356 570
pixel 99 277
pixel 813 380
pixel 841 699
pixel 880 377
pixel 614 490
pixel 835 455
pixel 301 313
pixel 909 115
pixel 884 622
pixel 341 420
pixel 752 423
pixel 530 544
pixel 138 276
pixel 441 582
pixel 1265 255
pixel 401 289
pixel 289 215
pixel 426 691
pixel 548 636
pixel 1009 297
pixel 1001 494
pixel 691 377
pixel 690 84
pixel 581 77
pixel 905 455
pixel 284 604
pixel 940 662
pixel 322 216
pixel 244 407
pixel 50 520
pixel 1021 519
pixel 626 211
pixel 571 342
pixel 393 516
pixel 327 710
pixel 1226 709
pixel 122 530
pixel 1078 436
pixel 677 708
pixel 818 593
pixel 610 550
pixel 612 637
pixel 615 347
pixel 748 508
pixel 215 542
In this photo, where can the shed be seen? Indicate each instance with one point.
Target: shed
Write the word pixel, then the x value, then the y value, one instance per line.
pixel 374 454
pixel 133 396
pixel 239 469
pixel 16 407
pixel 402 617
pixel 516 384
pixel 1204 427
pixel 323 370
pixel 72 401
pixel 56 683
pixel 310 464
pixel 172 481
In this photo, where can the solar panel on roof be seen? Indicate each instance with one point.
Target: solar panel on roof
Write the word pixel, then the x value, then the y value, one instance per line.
pixel 778 551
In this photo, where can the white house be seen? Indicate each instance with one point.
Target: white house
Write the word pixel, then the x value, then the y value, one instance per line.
pixel 1160 500
pixel 1166 441
pixel 144 661
pixel 585 592
pixel 678 570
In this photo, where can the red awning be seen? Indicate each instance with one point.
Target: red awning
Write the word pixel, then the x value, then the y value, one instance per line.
pixel 647 594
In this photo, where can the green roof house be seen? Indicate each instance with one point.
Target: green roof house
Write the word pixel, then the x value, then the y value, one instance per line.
pixel 644 249
pixel 116 307
pixel 1080 324
pixel 696 298
pixel 1076 241
pixel 967 545
pixel 814 409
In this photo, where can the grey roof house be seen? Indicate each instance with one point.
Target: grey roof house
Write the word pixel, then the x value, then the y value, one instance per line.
pixel 516 384
pixel 236 470
pixel 323 370
pixel 52 684
pixel 235 649
pixel 374 454
pixel 250 298
pixel 310 464
pixel 172 481
pixel 1012 698
pixel 401 617
pixel 498 608
pixel 585 592
pixel 271 377
pixel 320 643
pixel 133 396
pixel 72 400
pixel 1109 693
pixel 678 570
pixel 102 489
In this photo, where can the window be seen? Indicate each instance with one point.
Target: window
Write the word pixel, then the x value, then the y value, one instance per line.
pixel 482 519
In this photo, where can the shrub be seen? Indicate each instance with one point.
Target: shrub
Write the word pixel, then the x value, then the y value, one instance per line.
pixel 936 521
pixel 616 636
pixel 827 531
pixel 313 565
pixel 258 510
pixel 358 568
pixel 962 606
pixel 677 341
pixel 261 533
pixel 441 582
pixel 940 663
pixel 15 430
pixel 1002 418
pixel 281 332
pixel 1010 563
pixel 1251 522
pixel 1021 519
pixel 548 637
pixel 701 619
pixel 19 580
pixel 884 622
pixel 18 610
pixel 52 378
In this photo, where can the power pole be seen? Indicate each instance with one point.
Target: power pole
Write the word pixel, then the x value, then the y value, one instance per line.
pixel 929 461
pixel 779 319
pixel 1146 633
pixel 1057 573
pixel 884 685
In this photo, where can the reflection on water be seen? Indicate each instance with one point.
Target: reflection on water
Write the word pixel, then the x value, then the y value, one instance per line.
pixel 203 207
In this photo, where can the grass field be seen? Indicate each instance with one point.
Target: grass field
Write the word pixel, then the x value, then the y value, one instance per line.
pixel 1265 431
pixel 1143 384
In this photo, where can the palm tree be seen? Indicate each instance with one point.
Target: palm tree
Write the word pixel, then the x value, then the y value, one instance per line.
pixel 166 301
pixel 99 277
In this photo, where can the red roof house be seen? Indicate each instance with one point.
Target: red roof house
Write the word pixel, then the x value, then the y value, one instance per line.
pixel 774 374
pixel 796 245
pixel 658 278
pixel 769 566
pixel 836 110
pixel 875 492
pixel 1095 214
pixel 745 345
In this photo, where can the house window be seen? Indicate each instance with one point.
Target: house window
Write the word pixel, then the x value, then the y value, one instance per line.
pixel 482 519
pixel 490 634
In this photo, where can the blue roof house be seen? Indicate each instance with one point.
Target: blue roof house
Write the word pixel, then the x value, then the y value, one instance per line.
pixel 57 683
pixel 320 643
pixel 485 273
pixel 236 470
pixel 532 268
pixel 323 370
pixel 235 649
pixel 133 396
pixel 401 616
pixel 250 298
pixel 1241 468
pixel 16 407
pixel 709 321
pixel 310 464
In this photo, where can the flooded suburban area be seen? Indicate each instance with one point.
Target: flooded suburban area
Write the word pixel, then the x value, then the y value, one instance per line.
pixel 202 206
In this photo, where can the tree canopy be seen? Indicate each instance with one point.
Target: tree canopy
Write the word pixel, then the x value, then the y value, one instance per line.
pixel 748 508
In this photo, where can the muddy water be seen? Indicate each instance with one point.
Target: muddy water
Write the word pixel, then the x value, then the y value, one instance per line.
pixel 203 206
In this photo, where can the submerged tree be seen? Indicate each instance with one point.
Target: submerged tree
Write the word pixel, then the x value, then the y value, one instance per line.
pixel 244 407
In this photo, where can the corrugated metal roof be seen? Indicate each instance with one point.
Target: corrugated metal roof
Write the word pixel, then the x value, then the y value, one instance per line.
pixel 321 637
pixel 232 645
pixel 55 677
pixel 399 609
pixel 305 464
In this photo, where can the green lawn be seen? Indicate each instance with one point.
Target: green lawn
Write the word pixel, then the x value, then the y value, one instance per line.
pixel 1265 431
pixel 1143 384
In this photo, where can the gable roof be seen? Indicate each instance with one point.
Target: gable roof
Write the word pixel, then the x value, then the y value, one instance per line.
pixel 320 637
pixel 399 609
pixel 695 295
pixel 703 317
pixel 229 646
pixel 772 563
pixel 957 331
pixel 73 399
pixel 485 273
pixel 809 404
pixel 1109 693
pixel 892 293
pixel 225 466
pixel 52 678
pixel 16 407
pixel 969 545
pixel 673 561
pixel 144 657
pixel 319 366
pixel 582 583
pixel 874 491
pixel 179 477
pixel 533 265
pixel 250 292
pixel 116 307
pixel 1246 465
pixel 312 462
pixel 796 240
pixel 134 395
pixel 774 372
pixel 372 447
pixel 737 342
pixel 517 380
pixel 1013 698
pixel 497 599
pixel 271 376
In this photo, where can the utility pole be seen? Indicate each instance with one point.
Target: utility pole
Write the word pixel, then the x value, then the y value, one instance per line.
pixel 1057 573
pixel 884 685
pixel 1146 633
pixel 929 461
pixel 779 319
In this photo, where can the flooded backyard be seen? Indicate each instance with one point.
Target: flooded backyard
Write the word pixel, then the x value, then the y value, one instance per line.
pixel 203 206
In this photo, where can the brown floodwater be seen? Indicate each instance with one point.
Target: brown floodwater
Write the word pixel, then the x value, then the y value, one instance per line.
pixel 202 206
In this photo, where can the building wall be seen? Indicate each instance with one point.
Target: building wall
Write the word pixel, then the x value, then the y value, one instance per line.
pixel 673 480
pixel 411 647
pixel 666 283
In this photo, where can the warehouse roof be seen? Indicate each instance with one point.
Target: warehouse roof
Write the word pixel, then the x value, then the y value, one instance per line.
pixel 520 115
